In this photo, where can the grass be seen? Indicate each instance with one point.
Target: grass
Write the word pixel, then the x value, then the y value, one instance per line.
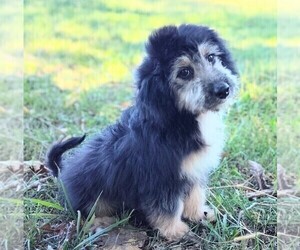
pixel 79 58
pixel 288 124
pixel 11 120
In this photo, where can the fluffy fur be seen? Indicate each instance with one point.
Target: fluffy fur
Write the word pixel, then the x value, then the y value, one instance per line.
pixel 156 159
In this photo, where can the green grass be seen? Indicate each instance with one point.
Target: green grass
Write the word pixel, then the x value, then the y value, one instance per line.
pixel 79 58
pixel 288 120
pixel 11 120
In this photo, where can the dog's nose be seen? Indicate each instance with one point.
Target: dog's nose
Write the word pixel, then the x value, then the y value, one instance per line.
pixel 221 90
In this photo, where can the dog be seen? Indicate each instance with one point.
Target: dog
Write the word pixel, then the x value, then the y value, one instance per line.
pixel 156 159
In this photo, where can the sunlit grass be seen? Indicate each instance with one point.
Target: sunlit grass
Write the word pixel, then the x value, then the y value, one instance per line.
pixel 249 7
pixel 288 8
pixel 102 41
pixel 11 38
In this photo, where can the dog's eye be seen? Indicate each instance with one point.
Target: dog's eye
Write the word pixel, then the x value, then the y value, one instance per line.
pixel 211 58
pixel 186 73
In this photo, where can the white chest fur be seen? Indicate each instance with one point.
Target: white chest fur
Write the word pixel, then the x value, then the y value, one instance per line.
pixel 199 164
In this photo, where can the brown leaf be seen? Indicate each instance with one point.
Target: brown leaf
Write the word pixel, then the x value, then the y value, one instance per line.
pixel 47 228
pixel 55 228
pixel 35 166
pixel 258 172
pixel 18 166
pixel 11 166
pixel 123 239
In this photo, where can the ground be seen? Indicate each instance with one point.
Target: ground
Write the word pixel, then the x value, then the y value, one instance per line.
pixel 79 60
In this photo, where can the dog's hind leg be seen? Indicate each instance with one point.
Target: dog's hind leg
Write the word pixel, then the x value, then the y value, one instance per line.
pixel 104 208
pixel 169 225
pixel 104 213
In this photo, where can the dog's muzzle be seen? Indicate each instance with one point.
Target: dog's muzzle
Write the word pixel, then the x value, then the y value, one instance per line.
pixel 221 90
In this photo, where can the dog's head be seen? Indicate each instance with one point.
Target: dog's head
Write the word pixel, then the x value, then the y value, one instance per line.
pixel 190 66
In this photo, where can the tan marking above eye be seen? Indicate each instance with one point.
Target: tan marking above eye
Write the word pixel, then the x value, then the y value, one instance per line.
pixel 207 48
pixel 182 61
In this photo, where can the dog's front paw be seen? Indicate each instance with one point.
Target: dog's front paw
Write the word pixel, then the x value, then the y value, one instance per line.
pixel 174 231
pixel 192 213
pixel 199 213
pixel 207 213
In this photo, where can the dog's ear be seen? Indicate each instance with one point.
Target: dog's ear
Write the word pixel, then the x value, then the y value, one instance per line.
pixel 163 43
pixel 155 97
pixel 152 87
pixel 146 70
pixel 162 47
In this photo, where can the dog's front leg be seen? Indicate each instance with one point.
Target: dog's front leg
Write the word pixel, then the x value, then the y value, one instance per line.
pixel 168 223
pixel 195 208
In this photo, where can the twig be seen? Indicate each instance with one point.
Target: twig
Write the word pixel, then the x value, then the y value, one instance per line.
pixel 287 235
pixel 254 193
pixel 261 193
pixel 240 185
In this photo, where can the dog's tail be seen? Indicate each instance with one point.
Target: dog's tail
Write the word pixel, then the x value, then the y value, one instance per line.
pixel 56 151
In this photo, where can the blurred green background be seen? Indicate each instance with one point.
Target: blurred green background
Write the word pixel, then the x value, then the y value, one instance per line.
pixel 80 55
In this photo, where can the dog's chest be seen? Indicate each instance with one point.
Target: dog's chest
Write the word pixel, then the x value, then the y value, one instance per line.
pixel 200 163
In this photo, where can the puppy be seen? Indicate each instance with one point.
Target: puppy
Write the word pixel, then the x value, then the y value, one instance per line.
pixel 157 158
